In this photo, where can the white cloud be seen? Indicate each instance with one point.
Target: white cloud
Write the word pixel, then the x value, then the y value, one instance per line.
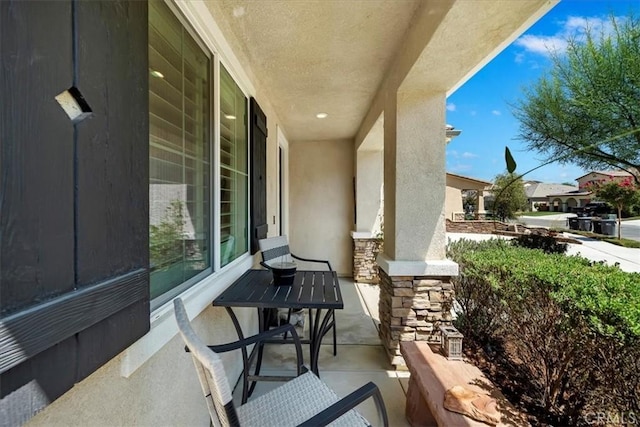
pixel 451 106
pixel 578 25
pixel 460 167
pixel 573 27
pixel 533 65
pixel 542 45
pixel 468 155
pixel 519 58
pixel 496 112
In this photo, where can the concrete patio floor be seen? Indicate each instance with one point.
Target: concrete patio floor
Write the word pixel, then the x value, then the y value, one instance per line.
pixel 361 357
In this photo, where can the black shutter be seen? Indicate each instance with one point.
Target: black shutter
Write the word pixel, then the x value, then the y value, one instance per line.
pixel 73 198
pixel 258 175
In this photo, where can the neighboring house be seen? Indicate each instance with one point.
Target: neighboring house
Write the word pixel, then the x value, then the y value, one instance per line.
pixel 567 202
pixel 538 192
pixel 239 120
pixel 554 198
pixel 457 187
pixel 602 176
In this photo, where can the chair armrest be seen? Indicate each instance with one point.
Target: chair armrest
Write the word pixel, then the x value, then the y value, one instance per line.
pixel 265 265
pixel 323 261
pixel 222 348
pixel 347 403
pixel 254 339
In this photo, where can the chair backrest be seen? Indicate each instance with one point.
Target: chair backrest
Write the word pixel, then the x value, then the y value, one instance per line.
pixel 210 369
pixel 275 249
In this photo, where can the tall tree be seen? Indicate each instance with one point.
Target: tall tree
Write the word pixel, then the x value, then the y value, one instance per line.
pixel 509 196
pixel 585 110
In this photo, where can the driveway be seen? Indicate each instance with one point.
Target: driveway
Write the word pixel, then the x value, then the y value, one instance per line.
pixel 630 229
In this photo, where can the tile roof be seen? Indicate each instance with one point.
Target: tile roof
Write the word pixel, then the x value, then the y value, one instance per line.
pixel 543 190
pixel 606 173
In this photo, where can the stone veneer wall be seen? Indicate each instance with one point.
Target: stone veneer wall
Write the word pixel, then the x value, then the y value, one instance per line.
pixel 477 226
pixel 460 216
pixel 411 309
pixel 365 267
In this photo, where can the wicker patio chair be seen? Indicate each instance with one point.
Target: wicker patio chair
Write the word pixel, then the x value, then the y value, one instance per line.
pixel 275 249
pixel 304 400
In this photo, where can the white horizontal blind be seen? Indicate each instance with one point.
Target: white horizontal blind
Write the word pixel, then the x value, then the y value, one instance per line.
pixel 233 169
pixel 179 150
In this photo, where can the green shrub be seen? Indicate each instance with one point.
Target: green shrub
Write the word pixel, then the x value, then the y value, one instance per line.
pixel 547 244
pixel 475 297
pixel 572 325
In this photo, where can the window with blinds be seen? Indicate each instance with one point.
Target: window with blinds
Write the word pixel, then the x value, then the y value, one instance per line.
pixel 179 154
pixel 233 169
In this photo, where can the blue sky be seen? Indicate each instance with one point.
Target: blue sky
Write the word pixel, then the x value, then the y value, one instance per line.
pixel 480 108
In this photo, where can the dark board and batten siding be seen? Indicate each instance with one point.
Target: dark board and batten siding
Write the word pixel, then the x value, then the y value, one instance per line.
pixel 74 284
pixel 258 153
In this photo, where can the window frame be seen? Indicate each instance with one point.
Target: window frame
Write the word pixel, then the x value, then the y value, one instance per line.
pixel 185 14
pixel 169 295
pixel 247 165
pixel 198 297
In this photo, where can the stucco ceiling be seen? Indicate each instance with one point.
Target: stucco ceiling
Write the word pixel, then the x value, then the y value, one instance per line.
pixel 331 56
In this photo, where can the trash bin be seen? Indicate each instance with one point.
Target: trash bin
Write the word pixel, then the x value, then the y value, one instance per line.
pixel 584 223
pixel 573 222
pixel 597 225
pixel 609 227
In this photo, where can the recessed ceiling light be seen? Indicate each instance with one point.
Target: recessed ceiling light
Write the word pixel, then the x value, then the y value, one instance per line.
pixel 157 74
pixel 229 116
pixel 322 115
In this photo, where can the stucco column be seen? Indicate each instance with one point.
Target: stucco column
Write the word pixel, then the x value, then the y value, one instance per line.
pixel 366 237
pixel 368 190
pixel 414 177
pixel 479 203
pixel 415 286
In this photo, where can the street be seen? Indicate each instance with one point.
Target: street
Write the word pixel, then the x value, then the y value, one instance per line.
pixel 630 229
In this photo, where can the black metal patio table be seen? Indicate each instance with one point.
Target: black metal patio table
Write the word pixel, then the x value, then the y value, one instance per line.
pixel 318 291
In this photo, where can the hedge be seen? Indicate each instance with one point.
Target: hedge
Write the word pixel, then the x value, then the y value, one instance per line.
pixel 571 324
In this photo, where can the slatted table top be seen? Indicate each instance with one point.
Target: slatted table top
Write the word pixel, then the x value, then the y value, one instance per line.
pixel 310 289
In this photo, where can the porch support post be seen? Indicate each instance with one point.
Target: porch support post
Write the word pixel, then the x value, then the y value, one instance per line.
pixel 415 286
pixel 414 176
pixel 480 204
pixel 366 238
pixel 368 190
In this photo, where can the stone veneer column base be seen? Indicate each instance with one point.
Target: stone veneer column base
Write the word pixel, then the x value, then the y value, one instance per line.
pixel 365 251
pixel 411 309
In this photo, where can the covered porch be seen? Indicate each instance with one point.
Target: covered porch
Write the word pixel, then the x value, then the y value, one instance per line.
pixel 339 106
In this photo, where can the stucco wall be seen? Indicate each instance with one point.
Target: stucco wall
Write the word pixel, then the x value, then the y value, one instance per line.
pixel 369 190
pixel 321 201
pixel 453 202
pixel 164 391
